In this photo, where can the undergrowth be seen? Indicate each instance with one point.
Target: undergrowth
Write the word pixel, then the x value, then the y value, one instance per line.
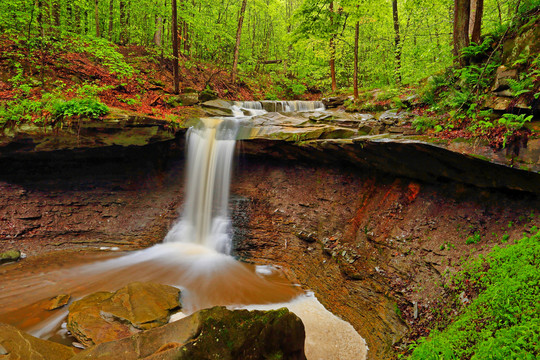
pixel 503 322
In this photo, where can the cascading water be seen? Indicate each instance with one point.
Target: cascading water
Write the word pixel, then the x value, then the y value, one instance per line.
pixel 205 220
pixel 192 257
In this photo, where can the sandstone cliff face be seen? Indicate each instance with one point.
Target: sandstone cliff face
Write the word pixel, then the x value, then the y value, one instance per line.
pixel 368 224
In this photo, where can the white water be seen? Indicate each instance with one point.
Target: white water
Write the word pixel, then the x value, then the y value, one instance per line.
pixel 254 108
pixel 205 220
pixel 194 256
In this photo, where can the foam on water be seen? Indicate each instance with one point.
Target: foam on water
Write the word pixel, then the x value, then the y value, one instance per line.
pixel 327 336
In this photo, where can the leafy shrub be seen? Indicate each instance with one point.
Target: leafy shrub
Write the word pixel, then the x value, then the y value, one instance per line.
pixel 474 49
pixel 88 108
pixel 298 89
pixel 473 239
pixel 422 123
pixel 503 322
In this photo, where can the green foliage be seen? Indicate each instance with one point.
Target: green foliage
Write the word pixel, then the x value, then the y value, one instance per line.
pixel 473 239
pixel 106 53
pixel 475 50
pixel 423 123
pixel 519 87
pixel 514 122
pixel 503 322
pixel 84 108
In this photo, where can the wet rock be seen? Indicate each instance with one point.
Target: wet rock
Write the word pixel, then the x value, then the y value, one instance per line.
pixel 215 333
pixel 188 99
pixel 9 256
pixel 105 316
pixel 16 344
pixel 502 76
pixel 119 129
pixel 392 117
pixel 218 107
pixel 334 101
pixel 56 302
pixel 207 95
pixel 505 93
pixel 498 103
pixel 410 100
pixel 306 236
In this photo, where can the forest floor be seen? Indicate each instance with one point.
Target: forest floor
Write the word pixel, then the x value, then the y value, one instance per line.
pixel 130 77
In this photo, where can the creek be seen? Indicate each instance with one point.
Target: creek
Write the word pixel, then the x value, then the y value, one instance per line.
pixel 194 256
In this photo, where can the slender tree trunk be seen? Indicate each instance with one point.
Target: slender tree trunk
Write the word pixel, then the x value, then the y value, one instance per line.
pixel 56 13
pixel 158 33
pixel 332 61
pixel 123 18
pixel 40 18
pixel 461 28
pixel 238 36
pixel 96 11
pixel 186 39
pixel 111 17
pixel 174 33
pixel 355 75
pixel 397 41
pixel 475 25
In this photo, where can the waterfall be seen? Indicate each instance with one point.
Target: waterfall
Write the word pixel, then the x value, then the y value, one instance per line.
pixel 205 220
pixel 253 108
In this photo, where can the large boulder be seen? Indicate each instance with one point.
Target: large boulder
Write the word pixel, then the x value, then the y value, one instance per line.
pixel 18 345
pixel 215 333
pixel 334 101
pixel 105 316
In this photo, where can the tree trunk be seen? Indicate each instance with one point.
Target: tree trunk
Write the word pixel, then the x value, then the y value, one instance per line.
pixel 332 61
pixel 111 17
pixel 397 41
pixel 56 13
pixel 96 11
pixel 461 28
pixel 158 34
pixel 238 36
pixel 355 75
pixel 174 34
pixel 123 17
pixel 475 23
pixel 40 18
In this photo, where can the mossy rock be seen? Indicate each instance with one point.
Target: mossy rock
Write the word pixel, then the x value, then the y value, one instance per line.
pixel 10 256
pixel 216 333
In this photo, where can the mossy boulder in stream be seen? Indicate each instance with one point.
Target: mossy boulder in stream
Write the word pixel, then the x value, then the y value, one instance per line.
pixel 16 344
pixel 105 316
pixel 215 333
pixel 10 256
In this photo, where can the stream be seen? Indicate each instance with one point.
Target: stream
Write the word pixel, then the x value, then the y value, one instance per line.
pixel 194 256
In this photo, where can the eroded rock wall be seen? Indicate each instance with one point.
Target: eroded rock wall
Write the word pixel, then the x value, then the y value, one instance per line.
pixel 369 244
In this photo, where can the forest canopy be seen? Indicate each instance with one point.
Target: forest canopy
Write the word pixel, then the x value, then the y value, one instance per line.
pixel 398 40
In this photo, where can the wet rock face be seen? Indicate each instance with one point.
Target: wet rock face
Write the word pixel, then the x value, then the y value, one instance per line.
pixel 215 333
pixel 16 344
pixel 105 316
pixel 368 243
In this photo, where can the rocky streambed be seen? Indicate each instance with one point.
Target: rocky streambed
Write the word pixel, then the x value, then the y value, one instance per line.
pixel 369 222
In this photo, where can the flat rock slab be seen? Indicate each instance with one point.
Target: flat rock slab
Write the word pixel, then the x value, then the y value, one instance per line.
pixel 118 129
pixel 403 156
pixel 105 316
pixel 18 345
